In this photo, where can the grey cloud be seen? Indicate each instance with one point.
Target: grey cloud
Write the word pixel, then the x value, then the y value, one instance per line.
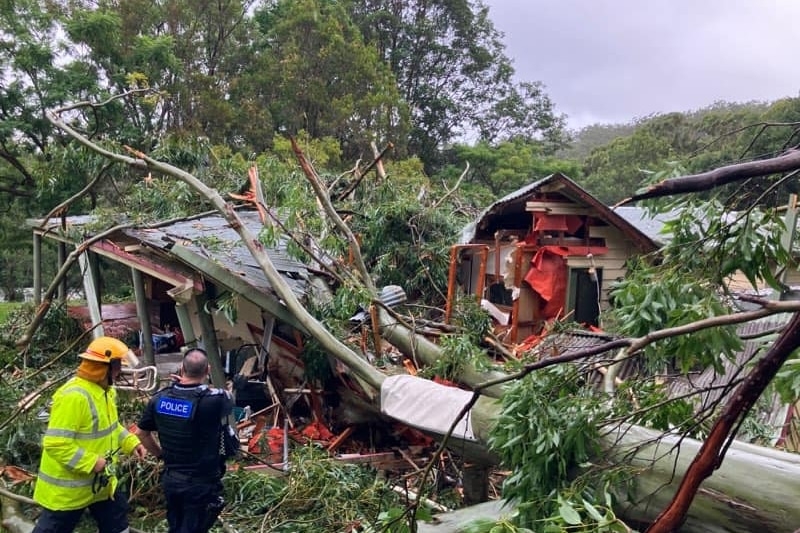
pixel 611 61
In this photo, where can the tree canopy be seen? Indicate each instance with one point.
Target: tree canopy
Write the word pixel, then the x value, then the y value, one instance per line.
pixel 206 91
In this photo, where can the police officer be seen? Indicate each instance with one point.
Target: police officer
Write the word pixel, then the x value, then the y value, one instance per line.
pixel 188 418
pixel 81 443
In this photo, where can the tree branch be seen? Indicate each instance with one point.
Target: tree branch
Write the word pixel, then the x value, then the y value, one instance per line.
pixel 360 174
pixel 324 198
pixel 719 176
pixel 358 366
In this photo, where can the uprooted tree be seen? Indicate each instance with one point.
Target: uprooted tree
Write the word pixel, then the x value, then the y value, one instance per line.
pixel 490 387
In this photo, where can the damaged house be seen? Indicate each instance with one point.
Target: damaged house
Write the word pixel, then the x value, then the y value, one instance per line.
pixel 195 284
pixel 549 251
pixel 177 269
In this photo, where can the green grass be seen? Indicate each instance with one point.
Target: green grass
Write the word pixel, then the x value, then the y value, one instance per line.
pixel 6 308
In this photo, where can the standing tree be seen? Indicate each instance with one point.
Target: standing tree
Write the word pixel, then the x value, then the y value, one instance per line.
pixel 190 52
pixel 452 72
pixel 314 73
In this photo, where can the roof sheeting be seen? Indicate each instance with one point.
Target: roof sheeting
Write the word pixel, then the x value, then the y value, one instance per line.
pixel 212 238
pixel 567 343
pixel 204 240
pixel 639 218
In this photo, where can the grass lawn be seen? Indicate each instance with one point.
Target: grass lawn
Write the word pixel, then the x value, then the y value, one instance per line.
pixel 6 308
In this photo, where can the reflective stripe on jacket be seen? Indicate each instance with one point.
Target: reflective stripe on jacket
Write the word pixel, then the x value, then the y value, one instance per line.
pixel 83 426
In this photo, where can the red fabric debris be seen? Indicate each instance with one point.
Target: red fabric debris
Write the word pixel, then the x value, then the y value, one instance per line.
pixel 548 278
pixel 317 431
pixel 275 439
pixel 569 224
pixel 528 343
pixel 254 444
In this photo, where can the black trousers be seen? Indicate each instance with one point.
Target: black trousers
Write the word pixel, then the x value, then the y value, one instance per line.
pixel 111 517
pixel 193 504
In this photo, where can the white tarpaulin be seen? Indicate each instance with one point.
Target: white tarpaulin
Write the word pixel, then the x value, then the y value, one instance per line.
pixel 426 405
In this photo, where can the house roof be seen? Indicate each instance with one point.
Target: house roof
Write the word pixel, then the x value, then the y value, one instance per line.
pixel 514 203
pixel 707 388
pixel 212 238
pixel 640 218
pixel 177 251
pixel 571 342
pixel 754 335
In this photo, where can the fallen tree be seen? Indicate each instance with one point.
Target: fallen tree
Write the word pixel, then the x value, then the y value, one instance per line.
pixel 727 501
pixel 478 408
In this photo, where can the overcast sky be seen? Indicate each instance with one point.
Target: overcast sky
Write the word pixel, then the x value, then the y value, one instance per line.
pixel 610 61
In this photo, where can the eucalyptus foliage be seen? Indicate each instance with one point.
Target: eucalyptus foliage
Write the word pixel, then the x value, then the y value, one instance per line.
pixel 705 245
pixel 548 428
pixel 463 349
pixel 318 493
pixel 56 333
pixel 650 299
pixel 788 379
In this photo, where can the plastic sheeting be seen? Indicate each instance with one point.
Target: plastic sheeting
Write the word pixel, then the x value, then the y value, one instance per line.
pixel 425 405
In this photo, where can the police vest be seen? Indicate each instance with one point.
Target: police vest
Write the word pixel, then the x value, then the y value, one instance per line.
pixel 188 429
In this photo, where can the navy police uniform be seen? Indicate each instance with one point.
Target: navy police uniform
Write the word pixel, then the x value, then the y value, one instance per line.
pixel 188 420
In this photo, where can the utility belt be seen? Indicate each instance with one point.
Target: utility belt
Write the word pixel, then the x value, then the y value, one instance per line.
pixel 189 477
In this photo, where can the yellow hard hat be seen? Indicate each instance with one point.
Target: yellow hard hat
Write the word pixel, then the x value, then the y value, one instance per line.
pixel 104 349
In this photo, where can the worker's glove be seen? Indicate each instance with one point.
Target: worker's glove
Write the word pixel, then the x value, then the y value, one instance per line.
pixel 101 480
pixel 105 477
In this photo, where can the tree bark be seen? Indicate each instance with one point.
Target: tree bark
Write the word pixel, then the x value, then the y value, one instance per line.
pixel 712 452
pixel 755 489
pixel 706 181
pixel 418 348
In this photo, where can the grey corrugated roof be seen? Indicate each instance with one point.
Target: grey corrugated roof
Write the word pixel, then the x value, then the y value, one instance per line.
pixel 639 218
pixel 208 237
pixel 712 383
pixel 211 237
pixel 571 342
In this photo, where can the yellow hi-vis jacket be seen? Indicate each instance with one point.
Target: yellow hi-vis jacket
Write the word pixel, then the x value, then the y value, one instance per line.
pixel 83 426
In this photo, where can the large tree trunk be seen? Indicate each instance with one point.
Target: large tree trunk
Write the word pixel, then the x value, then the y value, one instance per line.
pixel 755 489
pixel 420 349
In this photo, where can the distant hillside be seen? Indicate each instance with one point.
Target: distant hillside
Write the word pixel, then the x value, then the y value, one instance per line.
pixel 617 159
pixel 590 137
